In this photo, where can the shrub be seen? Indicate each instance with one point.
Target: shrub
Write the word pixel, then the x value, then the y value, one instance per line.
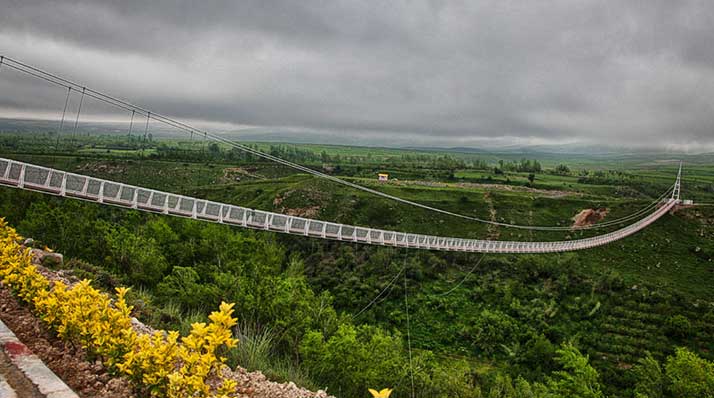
pixel 678 326
pixel 690 375
pixel 649 378
pixel 491 329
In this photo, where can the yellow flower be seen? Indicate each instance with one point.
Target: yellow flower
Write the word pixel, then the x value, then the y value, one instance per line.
pixel 381 394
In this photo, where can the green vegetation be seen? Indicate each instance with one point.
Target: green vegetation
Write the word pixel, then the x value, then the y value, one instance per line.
pixel 632 319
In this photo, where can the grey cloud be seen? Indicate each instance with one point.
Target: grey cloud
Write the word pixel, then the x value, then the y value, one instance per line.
pixel 448 72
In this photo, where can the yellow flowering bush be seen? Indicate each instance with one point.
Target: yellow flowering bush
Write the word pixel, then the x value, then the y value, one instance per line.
pixel 16 269
pixel 87 316
pixel 166 366
pixel 162 364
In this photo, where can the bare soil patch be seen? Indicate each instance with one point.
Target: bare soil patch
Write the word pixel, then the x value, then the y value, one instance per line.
pixel 97 167
pixel 589 217
pixel 300 196
pixel 234 174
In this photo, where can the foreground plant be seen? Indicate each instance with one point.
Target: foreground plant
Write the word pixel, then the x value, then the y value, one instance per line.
pixel 384 393
pixel 162 364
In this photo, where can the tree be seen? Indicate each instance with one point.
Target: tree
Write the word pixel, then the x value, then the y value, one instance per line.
pixel 650 380
pixel 502 388
pixel 678 326
pixel 70 227
pixel 689 375
pixel 139 258
pixel 354 358
pixel 577 379
pixel 562 169
pixel 491 329
pixel 531 178
pixel 183 287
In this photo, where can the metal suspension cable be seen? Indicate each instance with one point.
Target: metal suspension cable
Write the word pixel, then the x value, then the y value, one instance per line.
pixel 79 110
pixel 405 201
pixel 374 300
pixel 464 279
pixel 146 131
pixel 131 123
pixel 64 112
pixel 189 129
pixel 409 333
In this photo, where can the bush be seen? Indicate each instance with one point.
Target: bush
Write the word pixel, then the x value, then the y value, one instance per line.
pixel 650 381
pixel 183 287
pixel 138 257
pixel 353 358
pixel 491 329
pixel 689 376
pixel 678 326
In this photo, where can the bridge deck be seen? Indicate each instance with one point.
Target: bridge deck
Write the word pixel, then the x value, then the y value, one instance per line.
pixel 56 182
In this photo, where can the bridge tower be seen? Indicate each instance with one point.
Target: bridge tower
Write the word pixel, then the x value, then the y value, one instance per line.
pixel 677 184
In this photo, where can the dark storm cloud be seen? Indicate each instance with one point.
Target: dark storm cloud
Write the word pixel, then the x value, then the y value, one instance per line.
pixel 449 73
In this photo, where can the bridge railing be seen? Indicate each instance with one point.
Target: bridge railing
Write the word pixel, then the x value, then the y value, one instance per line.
pixel 37 178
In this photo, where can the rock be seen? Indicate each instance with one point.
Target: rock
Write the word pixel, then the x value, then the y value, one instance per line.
pixel 47 259
pixel 140 328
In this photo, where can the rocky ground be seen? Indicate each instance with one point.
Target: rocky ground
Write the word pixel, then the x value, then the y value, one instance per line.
pixel 86 377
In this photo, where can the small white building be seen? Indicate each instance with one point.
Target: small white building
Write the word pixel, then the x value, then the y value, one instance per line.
pixel 383 176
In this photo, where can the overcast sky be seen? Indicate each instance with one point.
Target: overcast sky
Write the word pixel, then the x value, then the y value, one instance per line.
pixel 429 72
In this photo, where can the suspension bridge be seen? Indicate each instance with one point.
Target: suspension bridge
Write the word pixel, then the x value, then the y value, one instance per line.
pixel 37 178
pixel 32 177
